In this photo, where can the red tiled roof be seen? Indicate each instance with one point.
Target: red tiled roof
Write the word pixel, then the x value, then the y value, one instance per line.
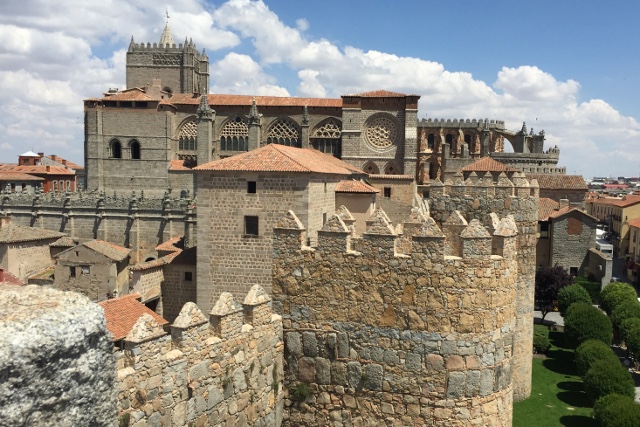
pixel 559 182
pixel 487 164
pixel 619 202
pixel 133 94
pixel 566 210
pixel 123 312
pixel 546 207
pixel 635 222
pixel 39 169
pixel 154 263
pixel 185 257
pixel 178 165
pixel 18 176
pixel 379 94
pixel 14 233
pixel 64 242
pixel 279 158
pixel 66 162
pixel 9 279
pixel 174 244
pixel 261 101
pixel 111 251
pixel 352 186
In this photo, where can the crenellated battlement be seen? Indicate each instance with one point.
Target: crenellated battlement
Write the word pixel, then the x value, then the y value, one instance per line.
pixel 480 187
pixel 462 123
pixel 205 365
pixel 424 310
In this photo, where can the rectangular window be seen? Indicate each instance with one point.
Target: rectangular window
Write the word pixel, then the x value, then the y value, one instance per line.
pixel 387 192
pixel 251 187
pixel 85 269
pixel 188 276
pixel 324 218
pixel 55 185
pixel 68 185
pixel 573 271
pixel 251 225
pixel 72 272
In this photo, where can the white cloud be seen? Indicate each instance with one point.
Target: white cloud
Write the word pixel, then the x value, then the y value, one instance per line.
pixel 51 58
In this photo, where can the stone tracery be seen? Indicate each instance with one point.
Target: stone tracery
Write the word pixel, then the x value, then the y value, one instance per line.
pixel 234 135
pixel 284 132
pixel 188 136
pixel 381 132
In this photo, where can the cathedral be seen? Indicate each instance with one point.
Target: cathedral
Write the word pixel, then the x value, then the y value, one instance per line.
pixel 150 135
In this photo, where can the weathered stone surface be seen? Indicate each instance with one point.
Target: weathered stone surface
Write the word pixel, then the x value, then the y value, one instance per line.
pixel 57 357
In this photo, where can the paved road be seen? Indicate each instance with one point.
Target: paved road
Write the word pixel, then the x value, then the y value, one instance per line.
pixel 552 318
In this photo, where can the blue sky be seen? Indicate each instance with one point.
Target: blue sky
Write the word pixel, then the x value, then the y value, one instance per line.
pixel 568 67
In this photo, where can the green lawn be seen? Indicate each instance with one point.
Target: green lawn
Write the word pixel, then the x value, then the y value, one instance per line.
pixel 556 397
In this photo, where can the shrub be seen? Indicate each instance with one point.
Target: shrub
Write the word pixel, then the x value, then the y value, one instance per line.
pixel 590 352
pixel 571 294
pixel 590 286
pixel 541 343
pixel 616 293
pixel 625 310
pixel 584 322
pixel 604 377
pixel 627 325
pixel 616 410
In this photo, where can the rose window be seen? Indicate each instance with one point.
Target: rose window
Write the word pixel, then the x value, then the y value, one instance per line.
pixel 381 132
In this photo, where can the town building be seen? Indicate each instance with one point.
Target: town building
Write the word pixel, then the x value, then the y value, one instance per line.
pixel 615 213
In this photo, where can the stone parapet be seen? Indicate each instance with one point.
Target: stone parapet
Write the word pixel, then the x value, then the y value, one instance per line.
pixel 205 375
pixel 394 332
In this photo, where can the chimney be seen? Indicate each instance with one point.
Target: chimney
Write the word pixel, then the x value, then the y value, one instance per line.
pixel 48 168
pixel 41 155
pixel 4 221
pixel 64 162
pixel 1 275
pixel 564 203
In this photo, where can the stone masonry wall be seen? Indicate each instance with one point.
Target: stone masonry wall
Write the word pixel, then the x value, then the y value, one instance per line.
pixel 476 199
pixel 222 371
pixel 572 237
pixel 386 338
pixel 56 361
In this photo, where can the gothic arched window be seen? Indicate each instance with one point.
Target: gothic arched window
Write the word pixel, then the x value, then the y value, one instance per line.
pixel 187 139
pixel 371 168
pixel 326 137
pixel 284 132
pixel 234 135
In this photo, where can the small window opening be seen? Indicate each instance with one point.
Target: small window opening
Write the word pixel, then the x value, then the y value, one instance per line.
pixel 251 225
pixel 387 192
pixel 72 272
pixel 188 276
pixel 251 187
pixel 85 269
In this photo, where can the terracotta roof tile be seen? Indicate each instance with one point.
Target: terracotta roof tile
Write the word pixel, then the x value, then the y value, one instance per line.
pixel 178 165
pixel 635 222
pixel 559 182
pixel 352 186
pixel 64 242
pixel 546 207
pixel 279 158
pixel 174 244
pixel 18 176
pixel 185 257
pixel 487 164
pixel 66 162
pixel 123 312
pixel 133 94
pixel 39 169
pixel 13 233
pixel 9 279
pixel 618 202
pixel 261 101
pixel 566 210
pixel 154 263
pixel 111 251
pixel 379 94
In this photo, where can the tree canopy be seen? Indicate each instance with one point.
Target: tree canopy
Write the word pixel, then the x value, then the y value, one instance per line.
pixel 549 280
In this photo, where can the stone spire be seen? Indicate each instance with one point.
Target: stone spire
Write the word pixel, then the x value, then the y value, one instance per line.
pixel 167 37
pixel 203 110
pixel 254 117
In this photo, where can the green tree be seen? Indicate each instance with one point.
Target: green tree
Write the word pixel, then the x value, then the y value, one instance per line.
pixel 584 322
pixel 590 352
pixel 571 294
pixel 616 410
pixel 549 280
pixel 616 293
pixel 604 378
pixel 627 309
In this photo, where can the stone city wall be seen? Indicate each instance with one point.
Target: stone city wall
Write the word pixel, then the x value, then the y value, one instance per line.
pixel 383 337
pixel 134 222
pixel 476 198
pixel 225 370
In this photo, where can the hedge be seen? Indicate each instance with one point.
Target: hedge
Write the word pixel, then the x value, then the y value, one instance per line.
pixel 604 377
pixel 616 410
pixel 571 294
pixel 625 310
pixel 615 294
pixel 590 352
